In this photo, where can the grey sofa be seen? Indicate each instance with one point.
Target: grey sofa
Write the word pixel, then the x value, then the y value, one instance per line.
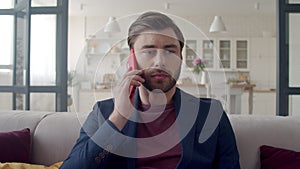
pixel 54 133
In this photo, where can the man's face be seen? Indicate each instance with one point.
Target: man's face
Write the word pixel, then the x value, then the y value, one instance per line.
pixel 158 54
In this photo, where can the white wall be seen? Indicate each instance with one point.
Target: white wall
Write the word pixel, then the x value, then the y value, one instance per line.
pixel 76 40
pixel 263 62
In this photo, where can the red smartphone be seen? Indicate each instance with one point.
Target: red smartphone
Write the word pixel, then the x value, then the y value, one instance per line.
pixel 132 63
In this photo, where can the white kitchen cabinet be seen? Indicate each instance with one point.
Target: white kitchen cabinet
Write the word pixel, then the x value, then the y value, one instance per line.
pixel 233 54
pixel 190 52
pixel 199 48
pixel 208 53
pixel 219 53
pixel 103 56
pixel 241 53
pixel 225 53
pixel 96 48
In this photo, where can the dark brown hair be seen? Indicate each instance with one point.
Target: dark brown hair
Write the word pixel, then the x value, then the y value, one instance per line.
pixel 152 21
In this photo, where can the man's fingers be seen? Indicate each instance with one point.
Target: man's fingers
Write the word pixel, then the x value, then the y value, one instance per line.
pixel 130 78
pixel 138 78
pixel 135 83
pixel 133 72
pixel 134 80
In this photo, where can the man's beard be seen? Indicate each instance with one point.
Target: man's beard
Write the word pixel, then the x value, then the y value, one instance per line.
pixel 164 85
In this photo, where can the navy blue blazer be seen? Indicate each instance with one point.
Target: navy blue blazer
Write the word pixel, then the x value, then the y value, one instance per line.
pixel 208 139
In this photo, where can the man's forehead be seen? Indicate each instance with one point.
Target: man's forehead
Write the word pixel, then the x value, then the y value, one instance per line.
pixel 168 33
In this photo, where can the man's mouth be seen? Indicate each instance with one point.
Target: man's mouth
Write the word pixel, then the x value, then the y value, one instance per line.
pixel 159 75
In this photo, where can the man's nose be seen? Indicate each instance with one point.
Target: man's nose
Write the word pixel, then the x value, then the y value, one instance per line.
pixel 160 59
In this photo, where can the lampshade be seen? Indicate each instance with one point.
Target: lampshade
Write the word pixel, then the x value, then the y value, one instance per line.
pixel 112 26
pixel 217 25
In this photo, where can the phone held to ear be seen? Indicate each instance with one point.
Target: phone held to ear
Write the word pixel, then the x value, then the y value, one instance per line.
pixel 132 63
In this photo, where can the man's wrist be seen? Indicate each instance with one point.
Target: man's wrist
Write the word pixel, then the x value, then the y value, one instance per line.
pixel 118 120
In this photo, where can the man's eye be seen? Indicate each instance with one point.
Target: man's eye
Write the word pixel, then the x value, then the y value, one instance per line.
pixel 170 51
pixel 149 52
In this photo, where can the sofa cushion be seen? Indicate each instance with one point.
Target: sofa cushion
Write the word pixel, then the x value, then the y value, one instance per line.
pixel 19 119
pixel 256 130
pixel 55 136
pixel 15 146
pixel 278 158
pixel 28 166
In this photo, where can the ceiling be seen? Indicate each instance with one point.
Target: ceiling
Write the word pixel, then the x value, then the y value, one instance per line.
pixel 120 8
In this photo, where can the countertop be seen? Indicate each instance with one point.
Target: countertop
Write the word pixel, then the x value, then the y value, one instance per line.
pixel 245 86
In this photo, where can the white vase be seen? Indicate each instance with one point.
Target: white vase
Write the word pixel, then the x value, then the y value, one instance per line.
pixel 203 77
pixel 92 50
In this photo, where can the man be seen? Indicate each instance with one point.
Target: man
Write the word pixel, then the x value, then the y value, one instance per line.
pixel 162 126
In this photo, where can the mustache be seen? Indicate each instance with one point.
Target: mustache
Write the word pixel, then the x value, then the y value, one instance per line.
pixel 158 70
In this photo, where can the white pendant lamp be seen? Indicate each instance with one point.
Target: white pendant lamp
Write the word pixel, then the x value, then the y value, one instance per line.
pixel 217 25
pixel 112 26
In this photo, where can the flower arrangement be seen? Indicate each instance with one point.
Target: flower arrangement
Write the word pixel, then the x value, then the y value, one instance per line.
pixel 199 65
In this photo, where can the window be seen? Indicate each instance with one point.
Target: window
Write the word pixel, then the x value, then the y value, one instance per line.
pixel 33 49
pixel 288 60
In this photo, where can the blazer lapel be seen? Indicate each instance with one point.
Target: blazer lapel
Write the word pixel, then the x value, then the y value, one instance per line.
pixel 187 109
pixel 130 144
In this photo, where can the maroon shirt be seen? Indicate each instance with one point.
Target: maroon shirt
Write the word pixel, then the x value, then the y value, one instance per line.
pixel 156 120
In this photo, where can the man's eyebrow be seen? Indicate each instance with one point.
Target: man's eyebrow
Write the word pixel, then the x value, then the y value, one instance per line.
pixel 170 46
pixel 148 46
pixel 165 46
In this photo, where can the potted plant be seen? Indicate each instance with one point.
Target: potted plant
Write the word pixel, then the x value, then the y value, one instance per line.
pixel 199 68
pixel 71 83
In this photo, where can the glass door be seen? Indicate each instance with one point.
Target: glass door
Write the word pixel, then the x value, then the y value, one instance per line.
pixel 208 53
pixel 241 54
pixel 190 52
pixel 225 54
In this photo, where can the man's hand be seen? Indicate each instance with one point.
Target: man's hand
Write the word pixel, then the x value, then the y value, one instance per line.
pixel 124 106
